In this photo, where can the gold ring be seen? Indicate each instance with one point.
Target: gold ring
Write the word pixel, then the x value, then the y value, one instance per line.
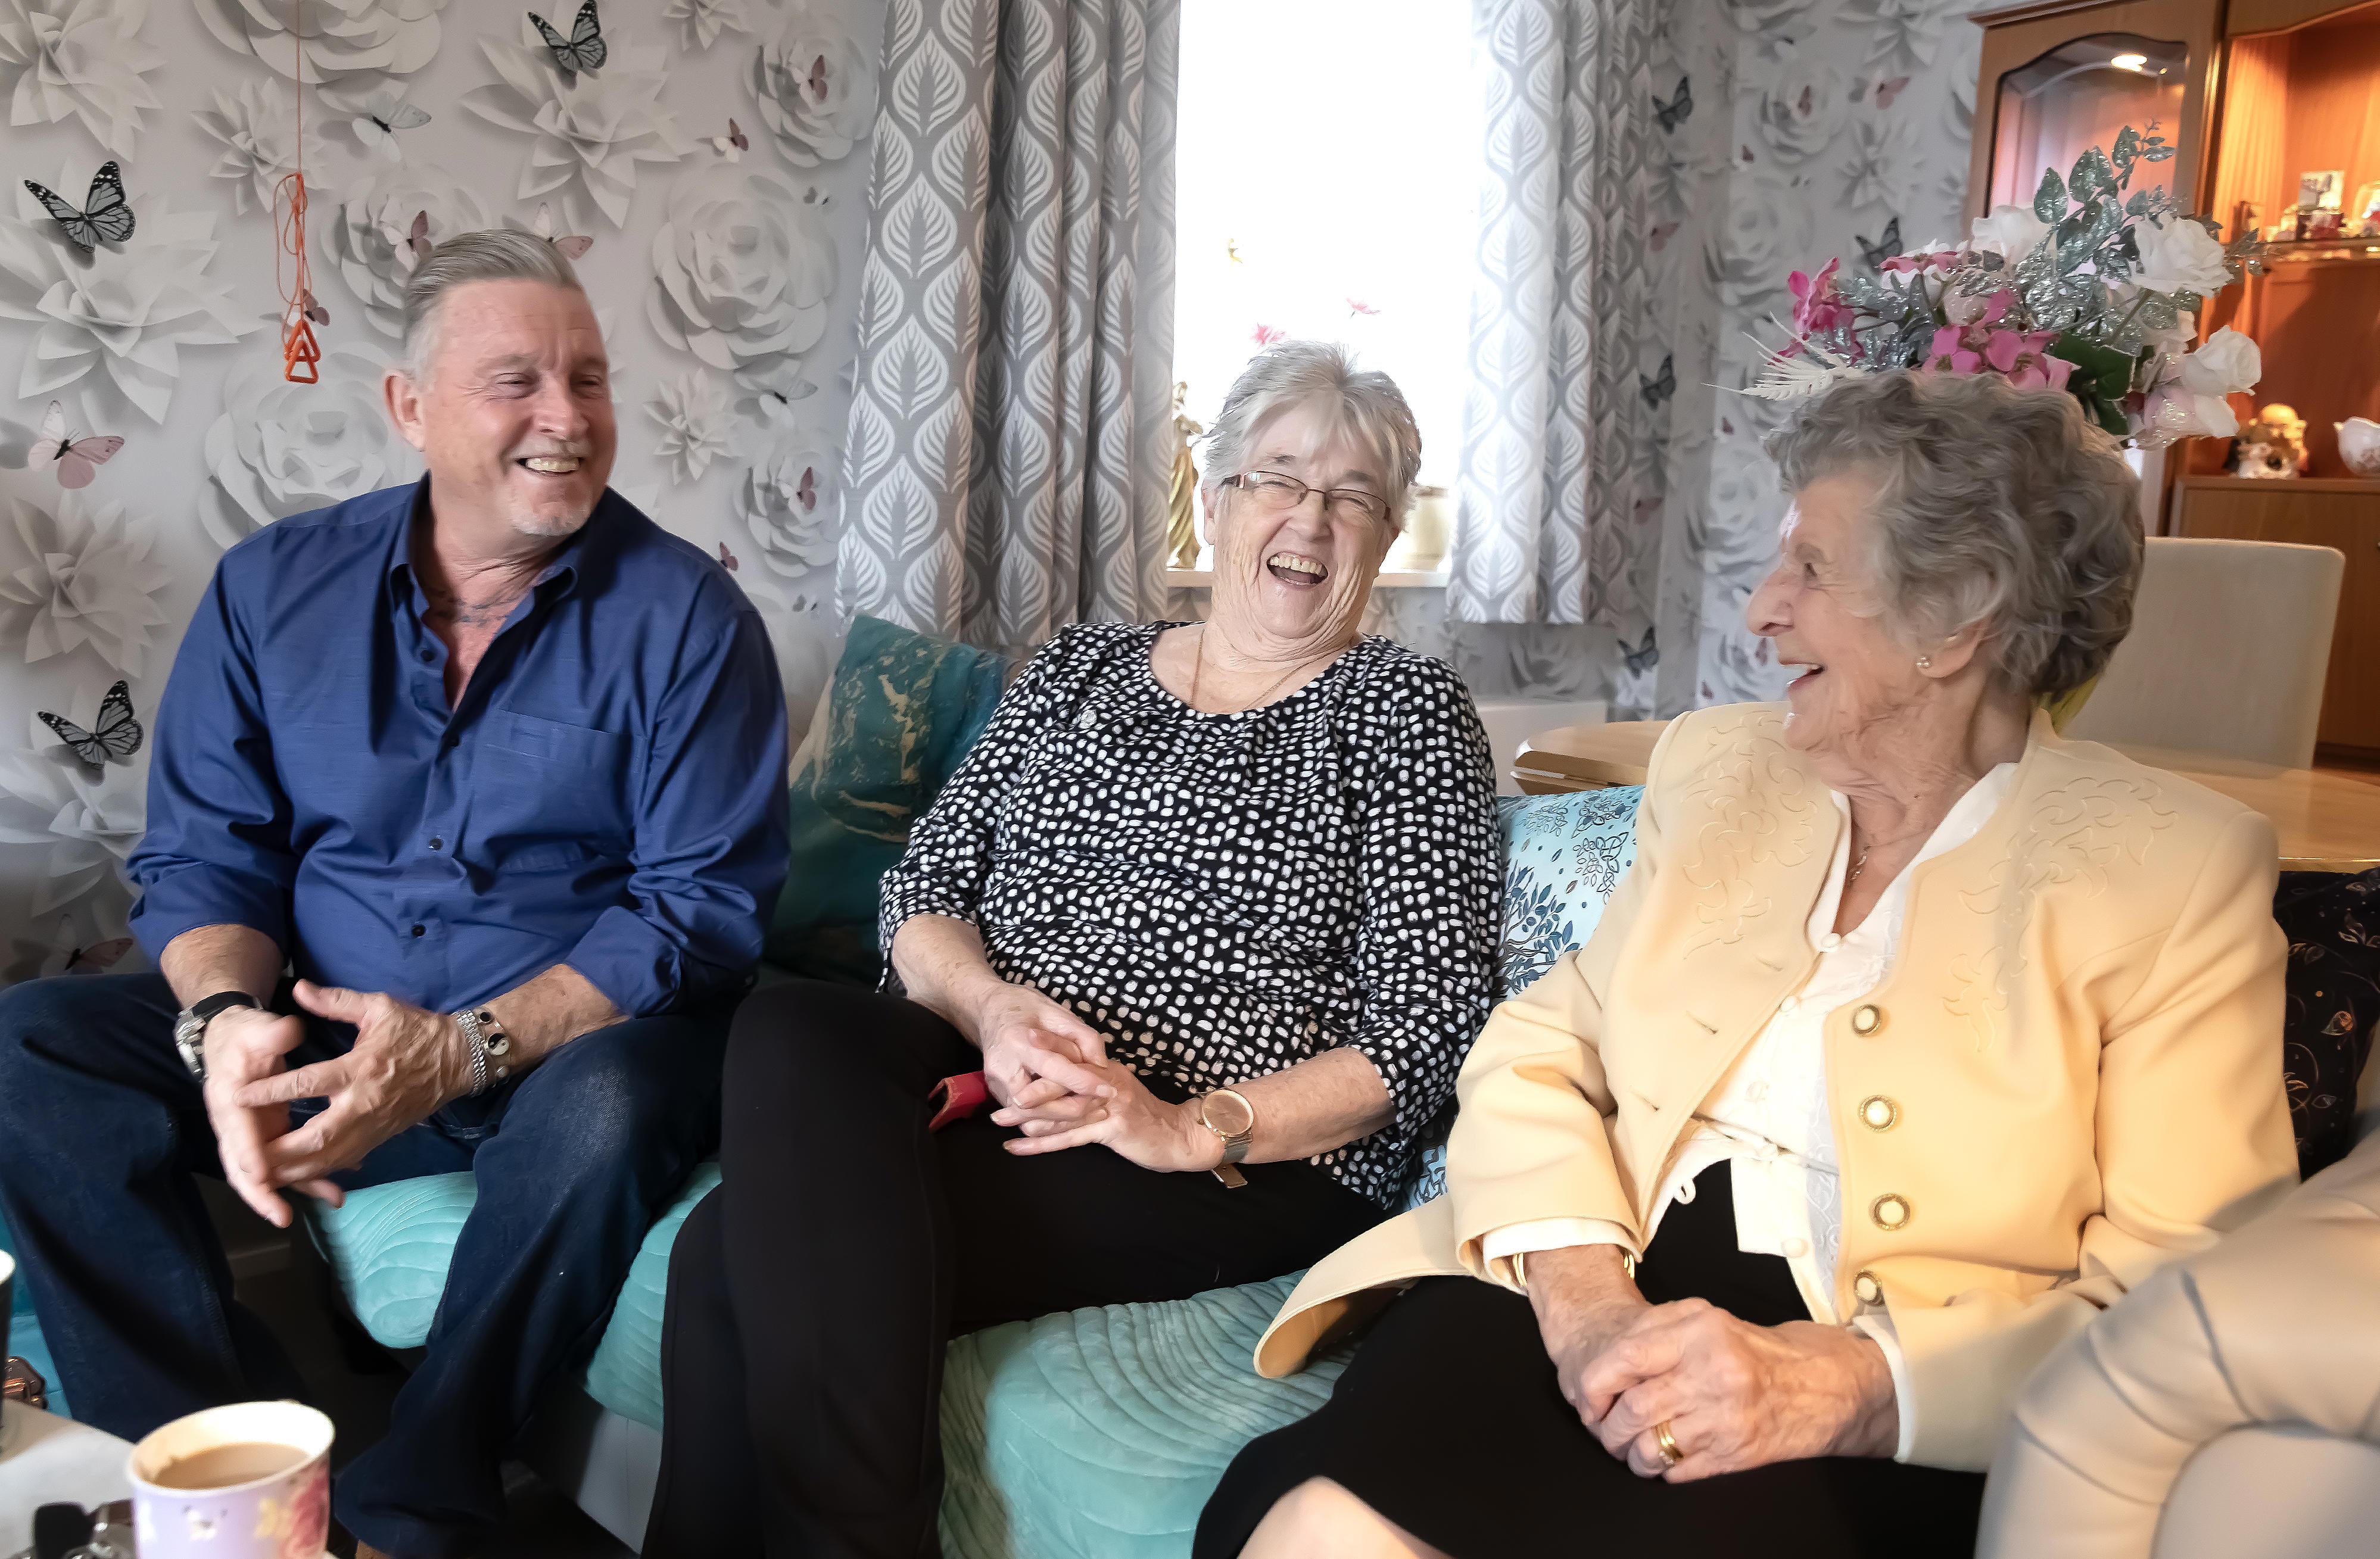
pixel 1668 1443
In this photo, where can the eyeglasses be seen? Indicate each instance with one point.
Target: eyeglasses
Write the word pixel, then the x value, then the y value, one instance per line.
pixel 1277 494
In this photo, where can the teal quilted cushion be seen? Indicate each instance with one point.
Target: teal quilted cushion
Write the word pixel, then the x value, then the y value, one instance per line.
pixel 1099 1433
pixel 390 1247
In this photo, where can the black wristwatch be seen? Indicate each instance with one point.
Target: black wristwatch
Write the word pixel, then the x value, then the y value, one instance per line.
pixel 190 1026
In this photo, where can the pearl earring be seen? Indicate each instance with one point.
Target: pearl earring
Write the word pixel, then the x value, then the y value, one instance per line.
pixel 1925 662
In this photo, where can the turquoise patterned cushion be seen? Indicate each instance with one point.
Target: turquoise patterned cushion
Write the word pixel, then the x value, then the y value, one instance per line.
pixel 1099 1433
pixel 390 1247
pixel 1563 856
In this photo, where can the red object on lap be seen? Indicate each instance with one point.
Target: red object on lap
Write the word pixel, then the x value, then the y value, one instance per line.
pixel 957 1097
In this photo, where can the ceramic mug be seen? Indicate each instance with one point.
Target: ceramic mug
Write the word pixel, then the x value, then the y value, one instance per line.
pixel 265 1472
pixel 2359 445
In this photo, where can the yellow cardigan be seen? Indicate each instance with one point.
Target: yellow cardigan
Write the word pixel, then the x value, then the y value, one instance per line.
pixel 2079 1041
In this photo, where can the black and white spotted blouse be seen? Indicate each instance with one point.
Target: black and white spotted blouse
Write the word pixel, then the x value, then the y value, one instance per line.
pixel 1225 895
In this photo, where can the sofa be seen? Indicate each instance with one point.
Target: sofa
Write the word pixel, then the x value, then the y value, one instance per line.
pixel 1092 1434
pixel 1099 1431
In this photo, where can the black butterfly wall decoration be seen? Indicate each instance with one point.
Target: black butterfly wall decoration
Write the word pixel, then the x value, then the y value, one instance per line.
pixel 106 217
pixel 1675 112
pixel 1641 657
pixel 1884 248
pixel 117 738
pixel 1661 387
pixel 583 50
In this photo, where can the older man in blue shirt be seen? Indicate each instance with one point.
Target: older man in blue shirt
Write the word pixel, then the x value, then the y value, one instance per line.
pixel 496 767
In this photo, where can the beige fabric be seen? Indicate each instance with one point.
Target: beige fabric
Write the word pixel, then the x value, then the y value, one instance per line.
pixel 2229 646
pixel 2082 1031
pixel 2280 1323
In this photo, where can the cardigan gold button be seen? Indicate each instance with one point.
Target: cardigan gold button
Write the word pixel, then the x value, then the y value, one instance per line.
pixel 1879 1113
pixel 1866 1289
pixel 1867 1020
pixel 1891 1212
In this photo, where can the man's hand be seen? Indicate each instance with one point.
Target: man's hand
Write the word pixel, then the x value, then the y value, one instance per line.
pixel 244 1047
pixel 406 1062
pixel 1736 1396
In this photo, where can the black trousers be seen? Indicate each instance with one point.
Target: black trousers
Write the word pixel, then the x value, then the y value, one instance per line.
pixel 811 1295
pixel 1450 1422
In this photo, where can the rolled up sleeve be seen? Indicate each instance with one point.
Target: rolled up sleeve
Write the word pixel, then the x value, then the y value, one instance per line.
pixel 710 856
pixel 1432 882
pixel 217 848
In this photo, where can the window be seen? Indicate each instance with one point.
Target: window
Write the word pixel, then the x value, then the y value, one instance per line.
pixel 1328 172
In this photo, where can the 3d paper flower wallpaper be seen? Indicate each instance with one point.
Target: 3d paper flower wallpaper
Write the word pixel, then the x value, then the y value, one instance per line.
pixel 722 285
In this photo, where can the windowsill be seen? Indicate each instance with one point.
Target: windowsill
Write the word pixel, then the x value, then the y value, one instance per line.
pixel 1390 578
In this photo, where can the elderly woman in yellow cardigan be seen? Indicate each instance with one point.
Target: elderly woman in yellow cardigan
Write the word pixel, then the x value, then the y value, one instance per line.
pixel 1915 1036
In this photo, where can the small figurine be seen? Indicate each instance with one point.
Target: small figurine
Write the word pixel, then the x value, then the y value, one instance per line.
pixel 2272 445
pixel 1181 516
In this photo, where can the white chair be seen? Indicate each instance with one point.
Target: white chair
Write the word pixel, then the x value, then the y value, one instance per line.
pixel 2230 648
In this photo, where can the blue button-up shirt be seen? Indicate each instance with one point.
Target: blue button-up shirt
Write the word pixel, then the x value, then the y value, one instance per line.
pixel 609 793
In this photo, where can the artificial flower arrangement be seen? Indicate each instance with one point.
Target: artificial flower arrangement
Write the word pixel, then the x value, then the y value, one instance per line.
pixel 2094 291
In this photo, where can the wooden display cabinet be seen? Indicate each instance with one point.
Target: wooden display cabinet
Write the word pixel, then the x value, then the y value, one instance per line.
pixel 2252 93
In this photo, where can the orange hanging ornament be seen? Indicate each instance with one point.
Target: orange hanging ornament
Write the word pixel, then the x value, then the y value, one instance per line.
pixel 299 351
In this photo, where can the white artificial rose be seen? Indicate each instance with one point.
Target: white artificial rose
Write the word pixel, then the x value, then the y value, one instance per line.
pixel 2229 362
pixel 2010 231
pixel 282 449
pixel 2180 257
pixel 816 87
pixel 788 502
pixel 742 266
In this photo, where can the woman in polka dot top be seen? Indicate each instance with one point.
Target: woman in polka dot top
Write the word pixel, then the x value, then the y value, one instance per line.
pixel 1210 906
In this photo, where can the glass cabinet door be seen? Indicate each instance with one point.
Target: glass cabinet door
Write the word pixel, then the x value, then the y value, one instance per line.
pixel 2078 95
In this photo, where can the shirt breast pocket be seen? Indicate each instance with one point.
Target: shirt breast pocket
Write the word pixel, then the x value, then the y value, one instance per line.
pixel 557 784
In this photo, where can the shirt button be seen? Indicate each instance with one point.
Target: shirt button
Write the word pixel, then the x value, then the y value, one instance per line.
pixel 1879 1113
pixel 1891 1212
pixel 453 742
pixel 1797 1248
pixel 1830 942
pixel 437 844
pixel 1867 1020
pixel 1866 1289
pixel 428 656
pixel 421 930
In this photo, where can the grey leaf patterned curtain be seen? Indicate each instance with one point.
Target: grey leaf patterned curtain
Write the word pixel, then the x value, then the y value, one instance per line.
pixel 1010 424
pixel 1558 441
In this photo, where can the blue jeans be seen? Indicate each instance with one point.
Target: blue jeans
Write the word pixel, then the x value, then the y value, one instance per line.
pixel 102 1127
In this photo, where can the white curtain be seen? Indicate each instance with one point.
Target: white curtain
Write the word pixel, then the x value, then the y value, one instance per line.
pixel 1558 520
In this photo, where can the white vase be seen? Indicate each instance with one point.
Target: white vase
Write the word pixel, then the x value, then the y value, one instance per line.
pixel 2359 445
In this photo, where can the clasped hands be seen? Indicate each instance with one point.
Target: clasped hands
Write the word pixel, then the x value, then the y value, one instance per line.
pixel 406 1062
pixel 1735 1395
pixel 1054 1079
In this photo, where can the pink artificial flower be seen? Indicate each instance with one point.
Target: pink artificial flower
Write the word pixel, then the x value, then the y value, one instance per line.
pixel 1904 262
pixel 1816 308
pixel 2023 357
pixel 1951 354
pixel 1265 335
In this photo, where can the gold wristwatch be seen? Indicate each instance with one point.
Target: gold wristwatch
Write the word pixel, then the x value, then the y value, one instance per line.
pixel 1228 1114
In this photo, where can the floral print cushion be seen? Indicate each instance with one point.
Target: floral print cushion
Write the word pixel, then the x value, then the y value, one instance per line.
pixel 1563 856
pixel 2332 924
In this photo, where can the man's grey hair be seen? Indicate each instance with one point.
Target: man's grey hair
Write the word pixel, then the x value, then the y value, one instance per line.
pixel 1998 508
pixel 496 254
pixel 1369 409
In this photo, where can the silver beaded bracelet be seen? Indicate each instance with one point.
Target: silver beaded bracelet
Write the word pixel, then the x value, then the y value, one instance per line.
pixel 487 1040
